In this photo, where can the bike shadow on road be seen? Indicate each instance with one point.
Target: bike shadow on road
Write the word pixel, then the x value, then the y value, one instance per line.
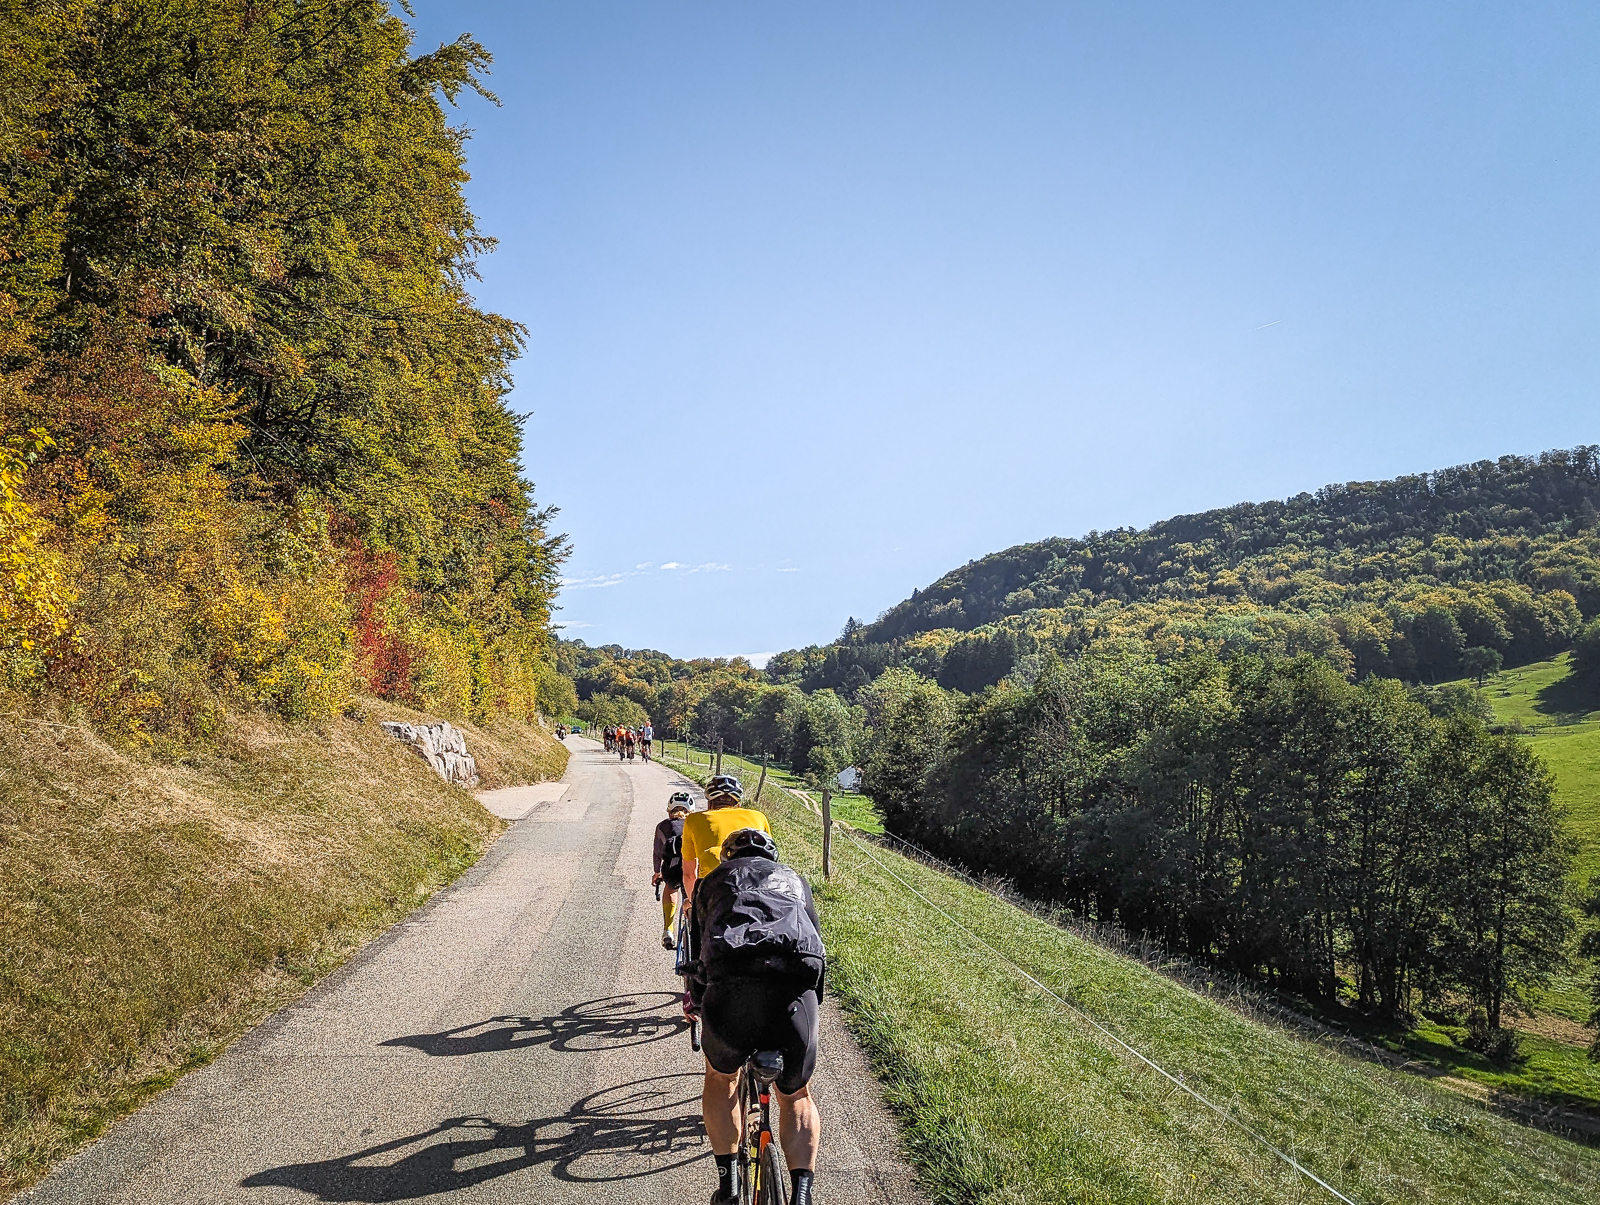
pixel 644 1128
pixel 609 1023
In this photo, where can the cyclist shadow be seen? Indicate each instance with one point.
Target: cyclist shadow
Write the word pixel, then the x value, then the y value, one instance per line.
pixel 602 1138
pixel 610 1023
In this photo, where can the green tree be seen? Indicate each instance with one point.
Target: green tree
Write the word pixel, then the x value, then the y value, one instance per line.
pixel 1589 947
pixel 907 718
pixel 1586 654
pixel 824 737
pixel 1505 860
pixel 1479 662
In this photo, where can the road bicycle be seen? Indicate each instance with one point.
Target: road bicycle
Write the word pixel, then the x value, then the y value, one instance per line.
pixel 763 1179
pixel 680 967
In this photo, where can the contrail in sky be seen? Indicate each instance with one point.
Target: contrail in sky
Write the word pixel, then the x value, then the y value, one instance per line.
pixel 1264 325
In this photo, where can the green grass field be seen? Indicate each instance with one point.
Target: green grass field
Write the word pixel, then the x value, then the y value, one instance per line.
pixel 1008 1097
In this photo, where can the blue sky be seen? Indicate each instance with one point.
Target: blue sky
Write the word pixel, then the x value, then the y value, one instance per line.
pixel 824 300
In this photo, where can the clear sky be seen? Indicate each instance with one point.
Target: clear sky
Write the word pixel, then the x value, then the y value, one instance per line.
pixel 825 299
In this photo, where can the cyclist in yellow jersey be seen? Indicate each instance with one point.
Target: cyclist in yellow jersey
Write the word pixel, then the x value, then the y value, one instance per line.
pixel 704 832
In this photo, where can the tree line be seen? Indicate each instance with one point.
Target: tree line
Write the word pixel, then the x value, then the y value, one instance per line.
pixel 713 698
pixel 1338 840
pixel 257 444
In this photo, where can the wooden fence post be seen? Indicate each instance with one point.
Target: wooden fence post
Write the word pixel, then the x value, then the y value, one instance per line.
pixel 827 833
pixel 718 770
pixel 763 781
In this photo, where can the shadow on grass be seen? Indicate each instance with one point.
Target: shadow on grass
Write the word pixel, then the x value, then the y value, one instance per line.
pixel 627 1132
pixel 1565 1114
pixel 1567 700
pixel 605 1024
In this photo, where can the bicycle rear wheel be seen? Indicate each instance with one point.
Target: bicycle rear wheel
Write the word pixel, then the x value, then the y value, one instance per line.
pixel 774 1176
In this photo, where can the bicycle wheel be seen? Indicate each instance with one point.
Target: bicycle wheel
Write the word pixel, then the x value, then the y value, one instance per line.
pixel 774 1176
pixel 748 1120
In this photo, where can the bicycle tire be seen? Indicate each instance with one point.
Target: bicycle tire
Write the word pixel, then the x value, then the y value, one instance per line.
pixel 774 1176
pixel 694 1034
pixel 745 1168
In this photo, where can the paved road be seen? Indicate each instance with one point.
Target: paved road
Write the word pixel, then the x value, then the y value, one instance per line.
pixel 517 1040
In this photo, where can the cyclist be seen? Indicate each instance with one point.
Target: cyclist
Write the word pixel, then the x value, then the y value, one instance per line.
pixel 646 735
pixel 669 863
pixel 611 738
pixel 757 982
pixel 704 832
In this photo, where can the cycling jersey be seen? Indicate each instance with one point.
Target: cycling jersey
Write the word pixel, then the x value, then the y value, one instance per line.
pixel 704 833
pixel 669 851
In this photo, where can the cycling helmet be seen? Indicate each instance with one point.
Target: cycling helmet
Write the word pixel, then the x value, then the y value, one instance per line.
pixel 680 799
pixel 725 785
pixel 749 843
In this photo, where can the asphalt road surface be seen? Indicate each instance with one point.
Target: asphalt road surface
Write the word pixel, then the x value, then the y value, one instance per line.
pixel 516 1040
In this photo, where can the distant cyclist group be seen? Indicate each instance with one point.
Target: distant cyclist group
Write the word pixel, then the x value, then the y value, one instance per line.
pixel 750 949
pixel 624 741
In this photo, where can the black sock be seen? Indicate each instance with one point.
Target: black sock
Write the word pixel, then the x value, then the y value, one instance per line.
pixel 725 1173
pixel 800 1178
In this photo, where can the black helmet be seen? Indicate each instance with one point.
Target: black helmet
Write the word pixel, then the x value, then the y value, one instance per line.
pixel 724 784
pixel 680 799
pixel 749 843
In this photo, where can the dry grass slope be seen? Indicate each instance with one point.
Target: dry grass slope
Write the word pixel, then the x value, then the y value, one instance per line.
pixel 151 912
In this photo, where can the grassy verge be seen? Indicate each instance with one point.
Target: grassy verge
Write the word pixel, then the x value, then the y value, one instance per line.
pixel 1008 1097
pixel 150 912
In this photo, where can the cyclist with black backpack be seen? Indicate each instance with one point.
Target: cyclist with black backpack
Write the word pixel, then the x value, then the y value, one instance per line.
pixel 669 863
pixel 756 983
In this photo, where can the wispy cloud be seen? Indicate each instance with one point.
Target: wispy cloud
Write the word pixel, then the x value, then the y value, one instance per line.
pixel 599 580
pixel 789 571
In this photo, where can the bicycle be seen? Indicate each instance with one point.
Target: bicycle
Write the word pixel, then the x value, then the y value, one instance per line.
pixel 680 968
pixel 763 1179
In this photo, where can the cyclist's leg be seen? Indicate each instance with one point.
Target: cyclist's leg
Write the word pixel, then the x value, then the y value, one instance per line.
pixel 799 1128
pixel 669 907
pixel 723 1019
pixel 794 1033
pixel 719 1106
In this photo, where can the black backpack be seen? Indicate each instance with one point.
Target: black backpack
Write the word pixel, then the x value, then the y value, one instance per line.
pixel 755 918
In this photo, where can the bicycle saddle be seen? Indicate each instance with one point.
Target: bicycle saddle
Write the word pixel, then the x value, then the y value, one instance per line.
pixel 766 1065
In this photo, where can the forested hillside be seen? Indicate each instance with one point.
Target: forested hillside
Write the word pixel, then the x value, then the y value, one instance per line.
pixel 1422 578
pixel 253 431
pixel 1220 732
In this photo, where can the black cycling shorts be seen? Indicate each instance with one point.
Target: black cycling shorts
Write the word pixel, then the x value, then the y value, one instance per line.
pixel 741 1016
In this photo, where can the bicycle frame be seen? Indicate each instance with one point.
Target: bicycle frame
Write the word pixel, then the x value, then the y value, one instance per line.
pixel 760 1172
